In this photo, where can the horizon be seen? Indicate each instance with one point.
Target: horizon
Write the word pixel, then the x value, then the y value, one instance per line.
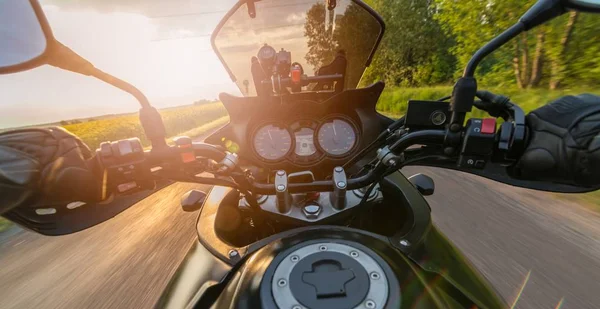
pixel 160 48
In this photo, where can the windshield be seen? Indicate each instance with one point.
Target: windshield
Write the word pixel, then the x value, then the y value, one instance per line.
pixel 309 30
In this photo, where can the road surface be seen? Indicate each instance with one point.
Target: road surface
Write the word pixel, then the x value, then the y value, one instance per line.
pixel 127 261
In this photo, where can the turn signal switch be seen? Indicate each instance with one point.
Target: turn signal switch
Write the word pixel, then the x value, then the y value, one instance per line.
pixel 125 166
pixel 284 198
pixel 338 196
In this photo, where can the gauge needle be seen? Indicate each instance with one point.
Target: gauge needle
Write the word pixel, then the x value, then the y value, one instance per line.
pixel 334 134
pixel 271 138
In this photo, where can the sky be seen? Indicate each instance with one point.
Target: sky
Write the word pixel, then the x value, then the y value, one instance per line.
pixel 147 43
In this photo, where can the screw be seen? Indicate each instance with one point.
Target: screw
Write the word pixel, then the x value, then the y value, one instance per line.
pixel 280 188
pixel 370 304
pixel 323 248
pixel 296 307
pixel 282 282
pixel 280 173
pixel 392 162
pixel 354 254
pixel 339 169
pixel 405 243
pixel 455 127
pixel 374 276
pixel 341 184
pixel 295 258
pixel 233 253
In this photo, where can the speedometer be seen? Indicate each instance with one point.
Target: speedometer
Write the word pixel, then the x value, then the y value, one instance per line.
pixel 336 137
pixel 272 142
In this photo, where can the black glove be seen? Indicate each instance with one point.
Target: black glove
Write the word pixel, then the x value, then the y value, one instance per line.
pixel 564 142
pixel 46 167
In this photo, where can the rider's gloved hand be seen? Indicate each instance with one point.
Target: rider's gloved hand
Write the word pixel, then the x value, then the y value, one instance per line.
pixel 564 142
pixel 46 166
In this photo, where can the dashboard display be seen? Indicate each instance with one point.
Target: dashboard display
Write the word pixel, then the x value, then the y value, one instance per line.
pixel 336 137
pixel 305 144
pixel 272 142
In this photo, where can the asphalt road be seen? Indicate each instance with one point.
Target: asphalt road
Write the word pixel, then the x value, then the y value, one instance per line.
pixel 127 261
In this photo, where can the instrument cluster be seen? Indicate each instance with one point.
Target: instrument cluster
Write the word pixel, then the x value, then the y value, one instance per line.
pixel 305 141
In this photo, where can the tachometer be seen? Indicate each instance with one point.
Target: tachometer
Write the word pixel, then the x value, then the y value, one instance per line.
pixel 272 142
pixel 336 137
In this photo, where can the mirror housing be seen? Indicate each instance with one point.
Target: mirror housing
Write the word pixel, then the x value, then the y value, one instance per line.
pixel 26 18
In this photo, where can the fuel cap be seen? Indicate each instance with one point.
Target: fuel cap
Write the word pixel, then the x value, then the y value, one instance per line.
pixel 329 275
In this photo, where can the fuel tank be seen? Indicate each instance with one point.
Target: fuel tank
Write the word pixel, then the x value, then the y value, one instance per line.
pixel 328 267
pixel 336 267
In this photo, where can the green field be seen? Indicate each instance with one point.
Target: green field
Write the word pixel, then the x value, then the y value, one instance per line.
pixel 178 120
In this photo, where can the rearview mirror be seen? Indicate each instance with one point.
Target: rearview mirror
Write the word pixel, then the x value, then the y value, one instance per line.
pixel 24 36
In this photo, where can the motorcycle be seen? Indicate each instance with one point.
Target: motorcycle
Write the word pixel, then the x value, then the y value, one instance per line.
pixel 308 208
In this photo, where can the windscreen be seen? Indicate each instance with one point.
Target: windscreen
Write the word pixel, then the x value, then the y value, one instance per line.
pixel 315 33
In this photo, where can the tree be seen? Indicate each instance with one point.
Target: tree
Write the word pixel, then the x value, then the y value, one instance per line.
pixel 414 51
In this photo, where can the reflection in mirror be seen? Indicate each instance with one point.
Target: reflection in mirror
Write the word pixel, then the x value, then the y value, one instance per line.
pixel 313 34
pixel 21 36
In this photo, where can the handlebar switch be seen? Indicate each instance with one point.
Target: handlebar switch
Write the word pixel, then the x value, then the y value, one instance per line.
pixel 338 196
pixel 284 198
pixel 478 143
pixel 184 144
pixel 124 162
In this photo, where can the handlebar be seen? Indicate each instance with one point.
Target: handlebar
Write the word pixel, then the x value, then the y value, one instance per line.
pixel 480 142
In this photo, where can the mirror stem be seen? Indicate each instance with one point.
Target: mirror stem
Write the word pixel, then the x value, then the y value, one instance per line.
pixel 65 58
pixel 493 45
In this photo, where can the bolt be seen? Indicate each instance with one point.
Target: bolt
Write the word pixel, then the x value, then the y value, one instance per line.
pixel 281 282
pixel 295 258
pixel 323 248
pixel 341 184
pixel 339 169
pixel 370 304
pixel 280 188
pixel 233 253
pixel 296 307
pixel 392 162
pixel 280 173
pixel 375 276
pixel 405 243
pixel 354 254
pixel 455 127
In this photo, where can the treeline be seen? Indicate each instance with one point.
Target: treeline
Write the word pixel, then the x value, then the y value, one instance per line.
pixel 429 42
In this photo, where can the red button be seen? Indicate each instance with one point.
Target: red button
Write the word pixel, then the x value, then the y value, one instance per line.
pixel 488 126
pixel 296 75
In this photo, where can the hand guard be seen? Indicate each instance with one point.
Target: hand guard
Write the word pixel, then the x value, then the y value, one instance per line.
pixel 44 167
pixel 564 142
